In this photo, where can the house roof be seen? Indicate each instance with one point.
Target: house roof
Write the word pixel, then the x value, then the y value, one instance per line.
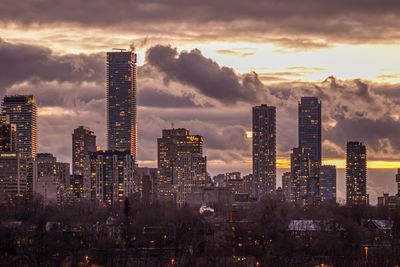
pixel 379 224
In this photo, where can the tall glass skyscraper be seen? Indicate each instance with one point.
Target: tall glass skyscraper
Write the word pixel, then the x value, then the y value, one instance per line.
pixel 310 127
pixel 22 112
pixel 264 148
pixel 121 101
pixel 356 174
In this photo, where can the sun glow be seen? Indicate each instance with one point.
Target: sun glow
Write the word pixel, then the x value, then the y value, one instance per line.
pixel 284 163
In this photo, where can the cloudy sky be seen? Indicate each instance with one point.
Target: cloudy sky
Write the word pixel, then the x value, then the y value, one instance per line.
pixel 204 64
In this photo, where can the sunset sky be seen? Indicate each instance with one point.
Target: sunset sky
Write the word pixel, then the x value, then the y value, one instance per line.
pixel 204 64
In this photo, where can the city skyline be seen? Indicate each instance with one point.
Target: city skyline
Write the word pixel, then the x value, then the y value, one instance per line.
pixel 264 122
pixel 206 78
pixel 200 133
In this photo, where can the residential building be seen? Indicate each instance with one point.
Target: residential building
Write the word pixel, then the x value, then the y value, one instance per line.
pixel 356 174
pixel 264 148
pixel 327 183
pixel 121 101
pixel 112 177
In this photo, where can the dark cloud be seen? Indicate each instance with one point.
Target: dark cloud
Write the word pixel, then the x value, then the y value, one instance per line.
pixel 310 20
pixel 59 94
pixel 20 62
pixel 195 92
pixel 158 98
pixel 217 100
pixel 381 135
pixel 212 80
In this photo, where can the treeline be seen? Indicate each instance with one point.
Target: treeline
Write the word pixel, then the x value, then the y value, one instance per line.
pixel 267 233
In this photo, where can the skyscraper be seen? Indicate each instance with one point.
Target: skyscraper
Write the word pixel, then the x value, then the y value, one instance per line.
pixel 264 148
pixel 356 174
pixel 83 143
pixel 327 183
pixel 22 112
pixel 7 135
pixel 121 102
pixel 179 156
pixel 310 127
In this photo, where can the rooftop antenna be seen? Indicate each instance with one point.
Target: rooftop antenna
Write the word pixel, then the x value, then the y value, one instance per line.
pixel 172 124
pixel 119 49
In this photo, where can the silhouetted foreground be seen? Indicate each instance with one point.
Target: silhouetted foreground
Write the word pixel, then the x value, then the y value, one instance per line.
pixel 269 233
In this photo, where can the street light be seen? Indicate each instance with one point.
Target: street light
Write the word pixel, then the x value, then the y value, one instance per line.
pixel 366 253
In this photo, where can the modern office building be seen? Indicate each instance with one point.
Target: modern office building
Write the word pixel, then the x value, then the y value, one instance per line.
pixel 112 176
pixel 13 178
pixel 264 148
pixel 327 183
pixel 83 143
pixel 7 135
pixel 310 127
pixel 356 174
pixel 121 101
pixel 179 158
pixel 22 112
pixel 287 185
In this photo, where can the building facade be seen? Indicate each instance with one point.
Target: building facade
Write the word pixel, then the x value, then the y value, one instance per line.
pixel 264 148
pixel 287 185
pixel 398 182
pixel 22 112
pixel 327 183
pixel 76 189
pixel 7 135
pixel 356 174
pixel 148 180
pixel 83 143
pixel 189 173
pixel 303 183
pixel 310 127
pixel 51 178
pixel 112 177
pixel 180 159
pixel 121 101
pixel 13 178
